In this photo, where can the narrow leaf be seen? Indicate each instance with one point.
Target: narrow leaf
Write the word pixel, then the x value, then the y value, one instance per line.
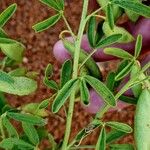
pixel 110 17
pixel 48 74
pixel 86 131
pixel 49 71
pixel 137 7
pixel 126 36
pixel 31 133
pixel 7 14
pixel 27 118
pixel 102 90
pixel 66 73
pixel 109 40
pixel 91 31
pixel 101 143
pixel 51 84
pixel 84 92
pixel 135 70
pixel 114 135
pixel 124 72
pixel 63 95
pixel 44 104
pixel 121 147
pixel 51 3
pixel 41 26
pixel 119 126
pixel 9 143
pixel 127 99
pixel 3 34
pixel 118 53
pixel 110 81
pixel 9 127
pixel 138 46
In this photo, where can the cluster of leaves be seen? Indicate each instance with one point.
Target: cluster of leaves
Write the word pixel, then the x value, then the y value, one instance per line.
pixel 100 35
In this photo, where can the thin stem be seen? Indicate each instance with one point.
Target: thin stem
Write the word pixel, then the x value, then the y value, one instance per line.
pixel 87 58
pixel 84 146
pixel 68 26
pixel 75 73
pixel 1 129
pixel 95 12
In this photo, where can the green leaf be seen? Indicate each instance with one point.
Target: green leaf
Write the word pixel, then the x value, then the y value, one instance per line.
pixel 48 74
pixel 52 3
pixel 27 118
pixel 126 36
pixel 101 89
pixel 117 11
pixel 137 7
pixel 66 73
pixel 3 34
pixel 90 64
pixel 63 95
pixel 121 147
pixel 132 15
pixel 118 53
pixel 84 92
pixel 12 49
pixel 142 121
pixel 110 81
pixel 7 14
pixel 51 84
pixel 33 108
pixel 9 143
pixel 99 31
pixel 91 31
pixel 3 101
pixel 127 99
pixel 124 72
pixel 101 143
pixel 44 104
pixel 20 86
pixel 114 135
pixel 137 89
pixel 108 40
pixel 61 4
pixel 18 72
pixel 52 141
pixel 41 26
pixel 9 127
pixel 87 130
pixel 138 46
pixel 4 77
pixel 49 71
pixel 110 16
pixel 31 133
pixel 119 126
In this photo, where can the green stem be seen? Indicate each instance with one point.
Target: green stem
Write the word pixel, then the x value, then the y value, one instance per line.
pixel 87 58
pixel 68 26
pixel 75 74
pixel 84 146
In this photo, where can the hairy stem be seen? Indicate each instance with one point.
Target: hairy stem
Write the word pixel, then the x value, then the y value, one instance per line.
pixel 75 73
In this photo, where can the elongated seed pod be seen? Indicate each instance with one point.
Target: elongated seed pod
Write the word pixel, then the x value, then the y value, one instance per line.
pixel 142 121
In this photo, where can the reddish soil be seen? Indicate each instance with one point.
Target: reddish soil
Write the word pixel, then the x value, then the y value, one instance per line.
pixel 39 53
